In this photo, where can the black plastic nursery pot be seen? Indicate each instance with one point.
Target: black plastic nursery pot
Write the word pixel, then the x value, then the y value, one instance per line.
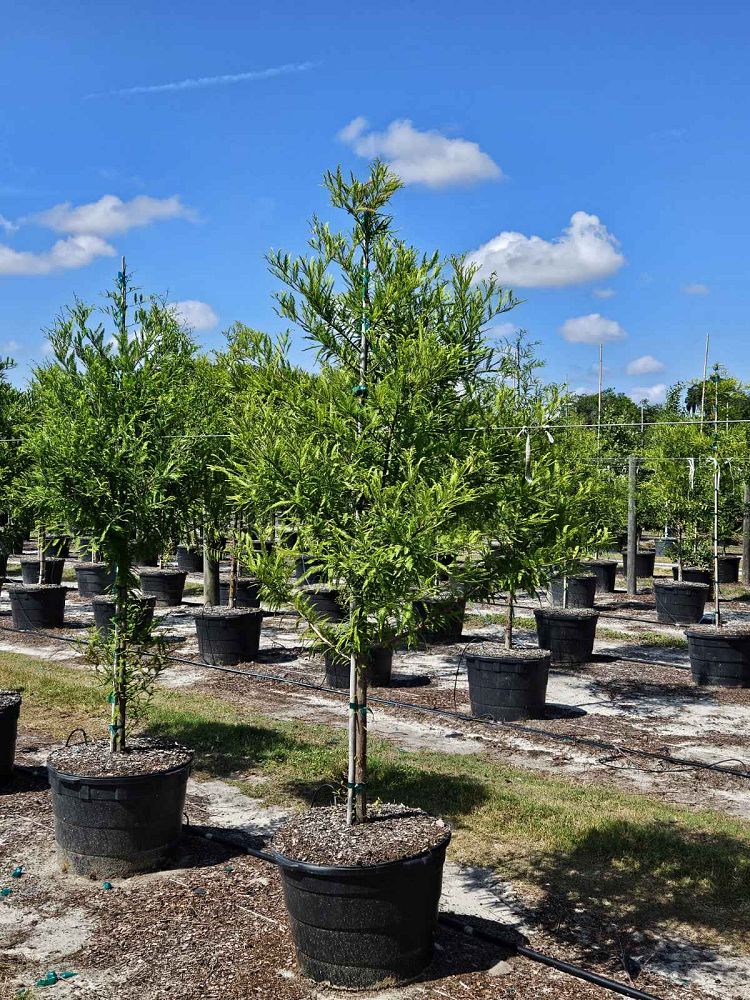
pixel 117 825
pixel 227 636
pixel 729 569
pixel 85 549
pixel 719 657
pixel 53 570
pixel 10 710
pixel 37 606
pixel 104 612
pixel 695 574
pixel 680 603
pixel 379 668
pixel 166 585
pixel 309 570
pixel 644 563
pixel 189 559
pixel 581 591
pixel 94 578
pixel 323 600
pixel 3 566
pixel 358 927
pixel 443 617
pixel 507 684
pixel 57 546
pixel 247 594
pixel 605 573
pixel 568 633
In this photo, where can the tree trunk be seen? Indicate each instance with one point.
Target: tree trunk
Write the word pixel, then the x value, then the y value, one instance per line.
pixel 42 544
pixel 119 663
pixel 511 617
pixel 210 574
pixel 360 759
pixel 680 557
pixel 632 579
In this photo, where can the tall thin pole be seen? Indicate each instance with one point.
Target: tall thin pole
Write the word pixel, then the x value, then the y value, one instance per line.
pixel 717 599
pixel 599 400
pixel 632 577
pixel 746 535
pixel 705 375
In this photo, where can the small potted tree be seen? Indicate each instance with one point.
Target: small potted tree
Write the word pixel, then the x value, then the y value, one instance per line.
pixel 677 484
pixel 111 432
pixel 369 459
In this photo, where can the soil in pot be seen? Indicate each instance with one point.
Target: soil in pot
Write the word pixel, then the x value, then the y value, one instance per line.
pixel 696 574
pixel 605 572
pixel 363 900
pixel 227 636
pixel 568 633
pixel 166 585
pixel 719 657
pixel 729 569
pixel 644 563
pixel 443 617
pixel 323 600
pixel 189 559
pixel 680 603
pixel 10 709
pixel 581 591
pixel 37 606
pixel 117 814
pixel 53 570
pixel 104 613
pixel 308 569
pixel 379 668
pixel 247 595
pixel 507 684
pixel 94 578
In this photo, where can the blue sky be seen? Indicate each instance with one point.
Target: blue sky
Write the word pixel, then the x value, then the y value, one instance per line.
pixel 616 134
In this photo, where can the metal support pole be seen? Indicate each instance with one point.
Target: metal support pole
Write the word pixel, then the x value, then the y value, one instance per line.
pixel 717 599
pixel 632 579
pixel 746 536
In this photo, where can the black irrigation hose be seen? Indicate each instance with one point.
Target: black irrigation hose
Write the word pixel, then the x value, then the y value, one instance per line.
pixel 554 963
pixel 587 741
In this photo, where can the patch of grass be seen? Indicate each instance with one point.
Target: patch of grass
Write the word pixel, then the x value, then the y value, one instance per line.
pixel 500 619
pixel 192 588
pixel 643 638
pixel 626 857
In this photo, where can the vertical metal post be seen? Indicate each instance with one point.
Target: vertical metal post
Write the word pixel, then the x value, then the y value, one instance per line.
pixel 717 599
pixel 705 376
pixel 599 398
pixel 632 578
pixel 746 535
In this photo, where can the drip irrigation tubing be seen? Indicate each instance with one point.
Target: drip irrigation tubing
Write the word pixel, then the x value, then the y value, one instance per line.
pixel 456 924
pixel 587 741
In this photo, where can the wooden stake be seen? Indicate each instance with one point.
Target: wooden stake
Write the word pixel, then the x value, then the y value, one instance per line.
pixel 632 576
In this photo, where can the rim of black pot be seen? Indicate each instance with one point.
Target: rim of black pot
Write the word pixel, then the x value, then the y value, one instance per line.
pixel 161 571
pixel 718 631
pixel 101 779
pixel 11 587
pixel 584 614
pixel 352 871
pixel 110 598
pixel 598 562
pixel 521 655
pixel 671 584
pixel 35 559
pixel 222 611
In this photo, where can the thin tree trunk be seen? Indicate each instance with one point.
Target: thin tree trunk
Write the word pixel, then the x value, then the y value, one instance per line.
pixel 210 574
pixel 360 758
pixel 717 598
pixel 511 618
pixel 42 544
pixel 632 576
pixel 119 665
pixel 680 557
pixel 233 566
pixel 351 771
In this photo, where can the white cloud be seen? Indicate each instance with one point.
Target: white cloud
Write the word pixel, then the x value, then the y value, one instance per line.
pixel 651 393
pixel 11 345
pixel 197 315
pixel 73 252
pixel 586 251
pixel 645 365
pixel 591 329
pixel 696 288
pixel 422 157
pixel 604 293
pixel 7 226
pixel 194 83
pixel 110 214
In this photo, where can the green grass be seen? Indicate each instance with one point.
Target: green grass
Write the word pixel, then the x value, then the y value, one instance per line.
pixel 643 638
pixel 193 589
pixel 501 618
pixel 630 858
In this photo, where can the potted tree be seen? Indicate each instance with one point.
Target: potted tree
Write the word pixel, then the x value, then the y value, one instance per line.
pixel 369 458
pixel 677 484
pixel 111 431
